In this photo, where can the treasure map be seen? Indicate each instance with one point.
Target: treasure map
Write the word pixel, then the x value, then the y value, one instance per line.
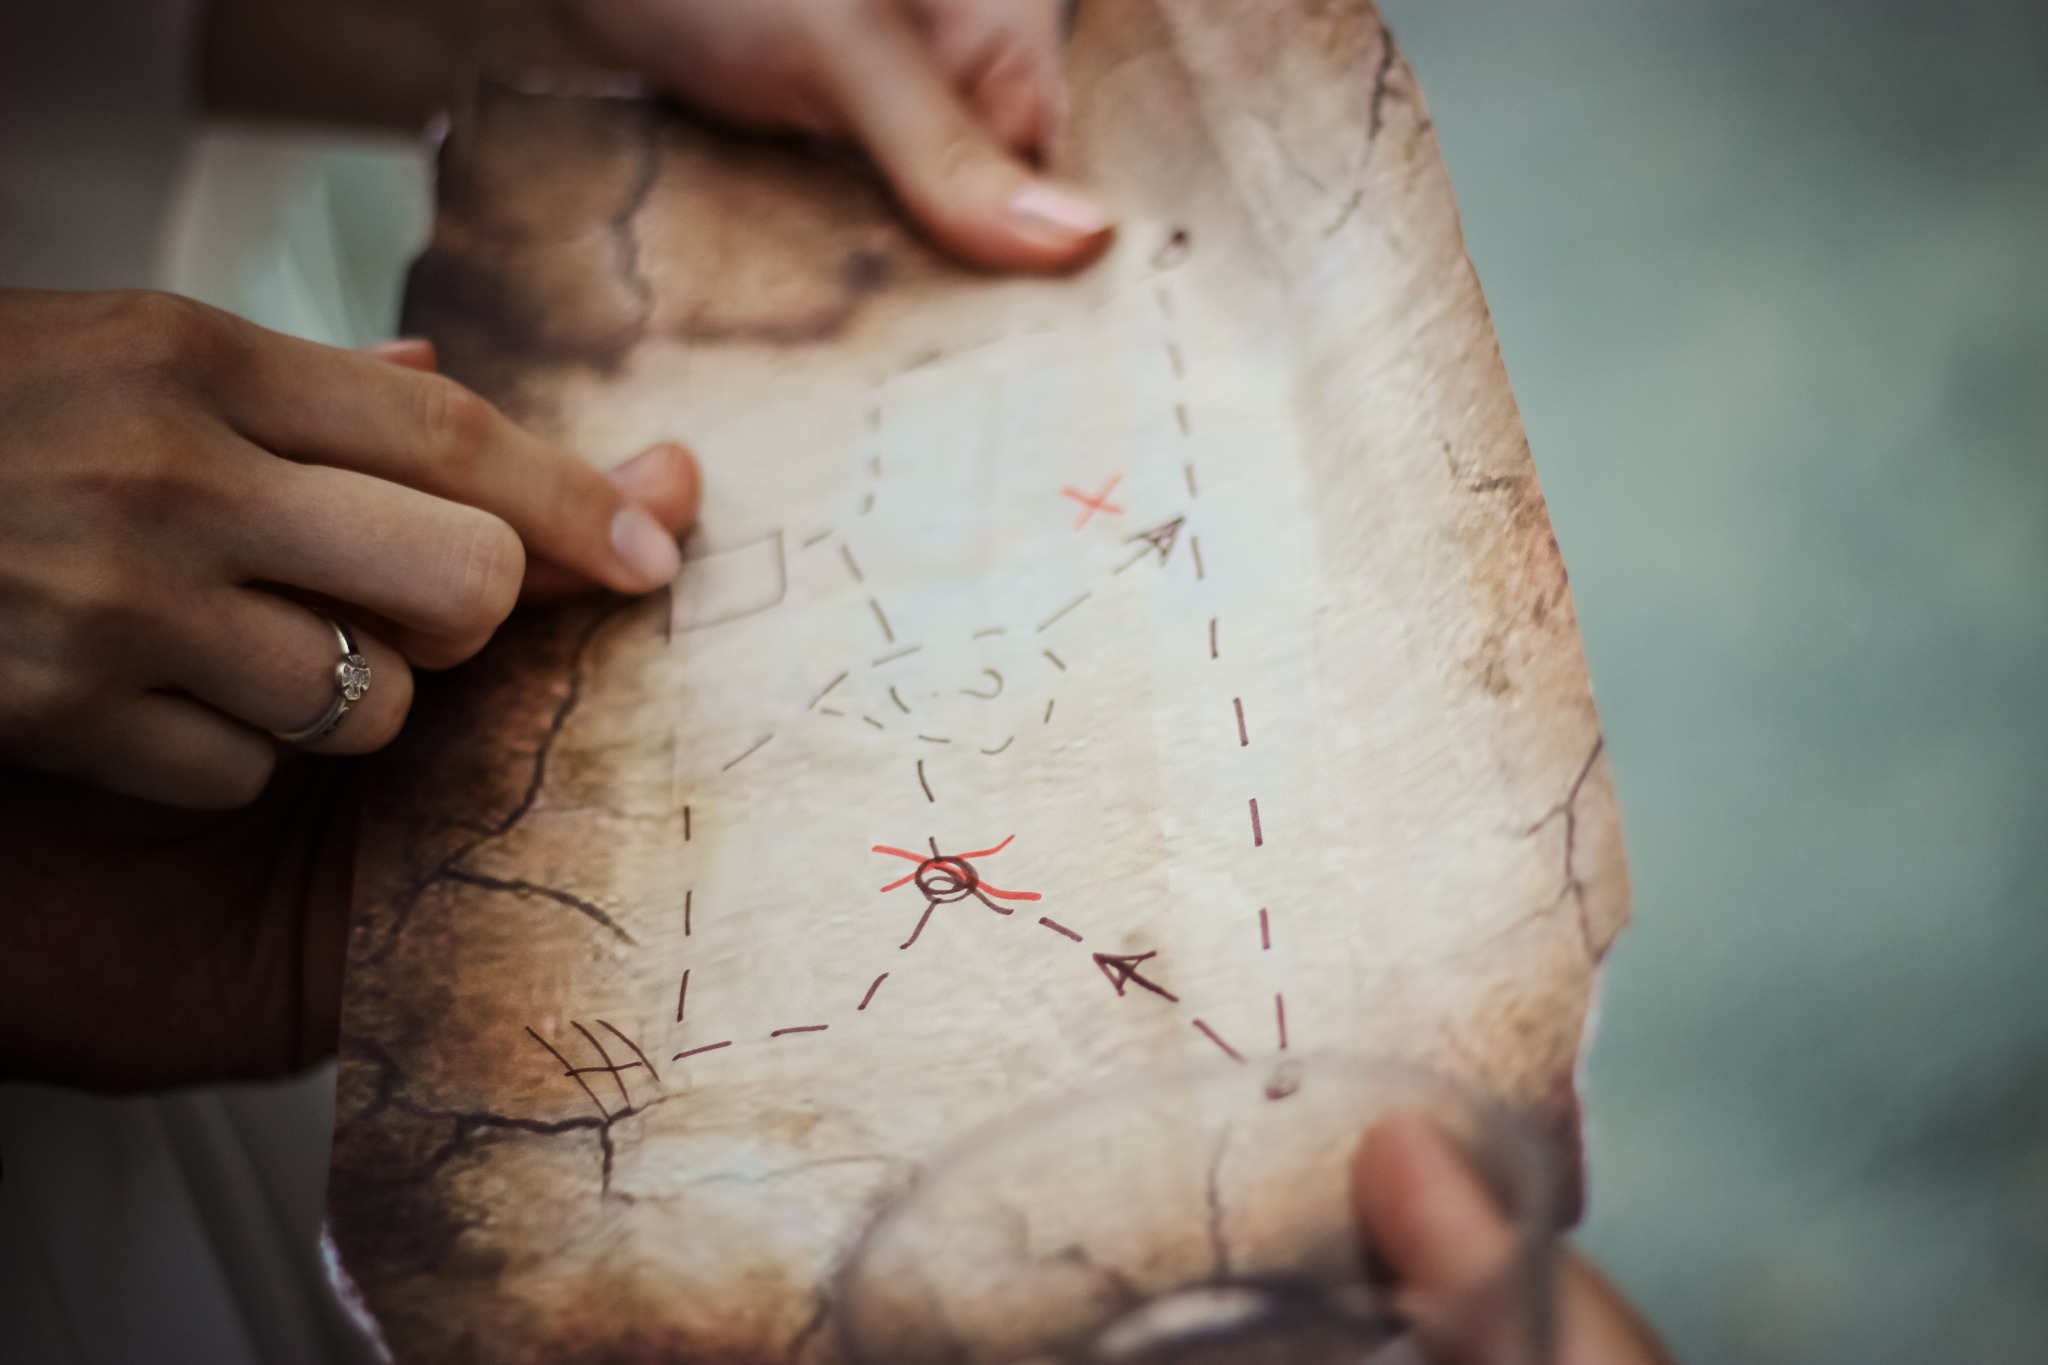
pixel 1163 666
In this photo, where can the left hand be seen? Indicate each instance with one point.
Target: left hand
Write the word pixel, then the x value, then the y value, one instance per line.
pixel 953 99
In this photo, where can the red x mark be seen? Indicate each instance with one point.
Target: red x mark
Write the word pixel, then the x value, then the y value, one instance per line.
pixel 1099 503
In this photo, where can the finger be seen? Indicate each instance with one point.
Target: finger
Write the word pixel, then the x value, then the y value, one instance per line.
pixel 270 662
pixel 1429 1216
pixel 446 574
pixel 1009 99
pixel 412 353
pixel 171 750
pixel 1005 61
pixel 322 406
pixel 663 479
pixel 1052 86
pixel 1426 1213
pixel 975 199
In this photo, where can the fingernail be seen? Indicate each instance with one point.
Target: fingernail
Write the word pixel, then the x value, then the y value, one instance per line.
pixel 645 545
pixel 414 353
pixel 1068 212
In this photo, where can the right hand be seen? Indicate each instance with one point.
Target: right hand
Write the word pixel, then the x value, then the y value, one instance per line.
pixel 177 485
pixel 1431 1220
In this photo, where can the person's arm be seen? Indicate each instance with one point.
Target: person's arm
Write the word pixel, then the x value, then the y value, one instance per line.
pixel 143 946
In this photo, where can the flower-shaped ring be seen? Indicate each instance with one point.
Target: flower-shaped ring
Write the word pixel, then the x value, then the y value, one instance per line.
pixel 351 685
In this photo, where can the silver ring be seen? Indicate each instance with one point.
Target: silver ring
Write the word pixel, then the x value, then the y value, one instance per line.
pixel 351 685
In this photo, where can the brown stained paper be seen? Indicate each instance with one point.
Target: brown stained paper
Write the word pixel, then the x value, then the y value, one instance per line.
pixel 1068 678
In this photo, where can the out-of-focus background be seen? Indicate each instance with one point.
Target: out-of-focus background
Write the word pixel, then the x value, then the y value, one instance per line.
pixel 1772 283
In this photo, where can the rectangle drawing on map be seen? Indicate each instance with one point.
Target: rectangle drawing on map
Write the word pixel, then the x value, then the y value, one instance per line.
pixel 721 584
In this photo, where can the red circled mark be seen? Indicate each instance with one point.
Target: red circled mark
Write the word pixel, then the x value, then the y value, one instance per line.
pixel 944 878
pixel 956 863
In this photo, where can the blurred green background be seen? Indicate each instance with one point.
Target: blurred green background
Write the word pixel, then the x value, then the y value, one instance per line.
pixel 1772 284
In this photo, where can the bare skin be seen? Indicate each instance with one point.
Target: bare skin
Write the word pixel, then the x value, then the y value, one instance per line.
pixel 957 103
pixel 179 485
pixel 1449 1246
pixel 953 100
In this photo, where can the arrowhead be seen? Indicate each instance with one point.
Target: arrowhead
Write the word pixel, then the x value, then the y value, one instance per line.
pixel 1121 969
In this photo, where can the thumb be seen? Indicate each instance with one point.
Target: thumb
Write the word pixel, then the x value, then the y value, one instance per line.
pixel 973 197
pixel 663 480
pixel 1421 1207
pixel 1452 1251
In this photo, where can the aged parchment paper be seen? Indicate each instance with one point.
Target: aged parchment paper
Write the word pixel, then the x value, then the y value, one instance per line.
pixel 1067 678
